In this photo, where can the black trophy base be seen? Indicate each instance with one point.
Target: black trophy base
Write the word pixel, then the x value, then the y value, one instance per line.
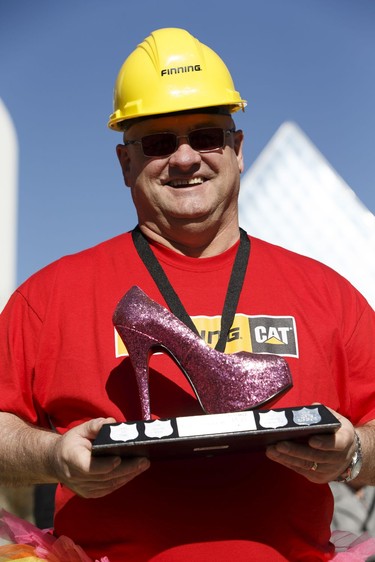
pixel 213 434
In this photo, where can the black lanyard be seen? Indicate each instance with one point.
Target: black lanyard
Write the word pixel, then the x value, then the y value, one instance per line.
pixel 233 292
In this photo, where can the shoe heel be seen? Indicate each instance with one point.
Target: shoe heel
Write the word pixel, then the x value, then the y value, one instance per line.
pixel 138 346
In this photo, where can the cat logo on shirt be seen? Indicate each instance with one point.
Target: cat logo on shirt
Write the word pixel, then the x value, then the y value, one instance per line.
pixel 274 334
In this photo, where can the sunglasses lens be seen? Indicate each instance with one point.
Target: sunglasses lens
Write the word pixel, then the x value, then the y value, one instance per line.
pixel 206 139
pixel 164 144
pixel 160 144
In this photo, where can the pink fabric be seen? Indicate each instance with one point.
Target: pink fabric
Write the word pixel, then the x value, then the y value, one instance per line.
pixel 350 548
pixel 42 544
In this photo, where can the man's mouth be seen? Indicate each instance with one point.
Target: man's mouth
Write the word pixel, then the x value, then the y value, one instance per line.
pixel 186 182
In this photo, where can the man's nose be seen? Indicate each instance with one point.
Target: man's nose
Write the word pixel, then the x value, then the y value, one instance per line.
pixel 184 155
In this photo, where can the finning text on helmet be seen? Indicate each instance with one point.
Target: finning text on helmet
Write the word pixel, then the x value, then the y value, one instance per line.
pixel 178 69
pixel 171 71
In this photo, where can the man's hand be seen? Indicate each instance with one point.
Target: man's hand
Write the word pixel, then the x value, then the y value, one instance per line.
pixel 323 458
pixel 88 476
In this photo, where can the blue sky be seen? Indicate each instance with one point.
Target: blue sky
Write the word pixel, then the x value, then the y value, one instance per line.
pixel 309 61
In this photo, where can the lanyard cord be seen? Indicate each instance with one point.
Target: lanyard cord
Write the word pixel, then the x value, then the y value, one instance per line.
pixel 233 292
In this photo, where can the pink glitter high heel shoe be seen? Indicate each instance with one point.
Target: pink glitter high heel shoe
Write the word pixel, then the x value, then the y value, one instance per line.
pixel 221 382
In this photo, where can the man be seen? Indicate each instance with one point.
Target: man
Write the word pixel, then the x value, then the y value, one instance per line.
pixel 182 159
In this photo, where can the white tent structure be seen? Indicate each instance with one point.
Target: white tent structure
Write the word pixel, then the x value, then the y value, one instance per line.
pixel 8 204
pixel 292 197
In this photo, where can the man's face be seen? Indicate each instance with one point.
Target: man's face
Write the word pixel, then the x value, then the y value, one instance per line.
pixel 187 186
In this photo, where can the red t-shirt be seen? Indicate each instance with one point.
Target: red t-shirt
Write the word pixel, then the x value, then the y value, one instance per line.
pixel 62 364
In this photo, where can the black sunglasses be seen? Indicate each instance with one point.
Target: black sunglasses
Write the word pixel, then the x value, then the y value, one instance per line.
pixel 165 144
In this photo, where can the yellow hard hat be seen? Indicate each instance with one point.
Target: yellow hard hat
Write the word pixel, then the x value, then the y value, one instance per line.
pixel 171 71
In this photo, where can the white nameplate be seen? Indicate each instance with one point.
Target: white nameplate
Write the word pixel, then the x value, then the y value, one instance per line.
pixel 215 423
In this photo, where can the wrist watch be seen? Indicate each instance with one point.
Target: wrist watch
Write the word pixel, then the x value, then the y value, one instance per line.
pixel 356 463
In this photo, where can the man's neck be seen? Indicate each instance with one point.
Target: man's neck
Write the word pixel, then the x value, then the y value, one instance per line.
pixel 194 242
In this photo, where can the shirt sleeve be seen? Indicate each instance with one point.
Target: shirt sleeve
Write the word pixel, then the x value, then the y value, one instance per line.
pixel 20 328
pixel 361 359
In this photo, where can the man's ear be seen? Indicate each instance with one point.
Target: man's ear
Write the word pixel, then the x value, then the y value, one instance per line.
pixel 238 146
pixel 123 157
